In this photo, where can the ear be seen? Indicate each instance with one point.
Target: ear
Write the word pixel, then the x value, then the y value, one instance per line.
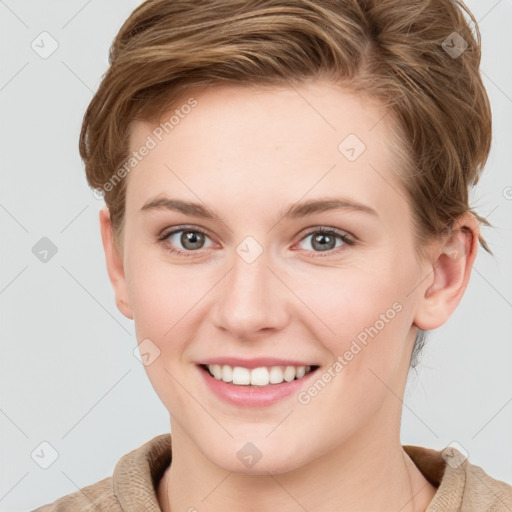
pixel 115 266
pixel 451 270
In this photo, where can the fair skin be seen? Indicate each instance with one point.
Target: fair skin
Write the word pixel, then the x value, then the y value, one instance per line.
pixel 248 154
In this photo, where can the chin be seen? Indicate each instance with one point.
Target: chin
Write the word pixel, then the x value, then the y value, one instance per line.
pixel 258 457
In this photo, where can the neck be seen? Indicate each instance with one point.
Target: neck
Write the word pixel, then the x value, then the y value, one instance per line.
pixel 357 476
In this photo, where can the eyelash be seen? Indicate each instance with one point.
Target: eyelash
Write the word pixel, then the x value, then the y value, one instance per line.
pixel 346 239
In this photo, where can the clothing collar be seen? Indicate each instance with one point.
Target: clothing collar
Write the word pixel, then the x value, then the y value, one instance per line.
pixel 450 479
pixel 138 473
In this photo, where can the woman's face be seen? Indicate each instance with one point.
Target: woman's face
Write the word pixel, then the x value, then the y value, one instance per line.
pixel 262 282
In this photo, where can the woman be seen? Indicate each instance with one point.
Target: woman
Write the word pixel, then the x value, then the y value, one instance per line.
pixel 287 213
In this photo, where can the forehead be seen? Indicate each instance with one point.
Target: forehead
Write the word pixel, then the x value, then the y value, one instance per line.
pixel 313 110
pixel 247 141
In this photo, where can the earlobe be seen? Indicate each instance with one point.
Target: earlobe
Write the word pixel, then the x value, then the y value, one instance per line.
pixel 450 271
pixel 115 265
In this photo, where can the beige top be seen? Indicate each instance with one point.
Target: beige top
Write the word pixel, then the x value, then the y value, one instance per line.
pixel 133 486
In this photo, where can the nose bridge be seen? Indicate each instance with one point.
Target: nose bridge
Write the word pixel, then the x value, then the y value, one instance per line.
pixel 249 299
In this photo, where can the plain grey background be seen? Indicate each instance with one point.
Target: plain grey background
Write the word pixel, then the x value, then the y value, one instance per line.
pixel 68 373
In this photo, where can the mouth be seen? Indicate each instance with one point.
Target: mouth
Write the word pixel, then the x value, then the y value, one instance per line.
pixel 263 376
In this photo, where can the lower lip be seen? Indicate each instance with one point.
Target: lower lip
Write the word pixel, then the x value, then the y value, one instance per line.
pixel 253 396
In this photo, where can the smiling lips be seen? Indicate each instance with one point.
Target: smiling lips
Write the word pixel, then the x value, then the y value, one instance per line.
pixel 256 382
pixel 259 376
pixel 257 371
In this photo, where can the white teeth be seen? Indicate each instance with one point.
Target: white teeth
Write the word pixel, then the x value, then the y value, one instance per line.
pixel 276 375
pixel 257 376
pixel 227 373
pixel 289 373
pixel 241 375
pixel 216 369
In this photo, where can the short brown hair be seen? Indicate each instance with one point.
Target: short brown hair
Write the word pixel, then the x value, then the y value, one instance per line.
pixel 395 51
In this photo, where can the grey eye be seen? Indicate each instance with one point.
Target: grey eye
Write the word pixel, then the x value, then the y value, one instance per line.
pixel 190 239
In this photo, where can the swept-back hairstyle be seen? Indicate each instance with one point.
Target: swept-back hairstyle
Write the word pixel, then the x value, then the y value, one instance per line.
pixel 419 58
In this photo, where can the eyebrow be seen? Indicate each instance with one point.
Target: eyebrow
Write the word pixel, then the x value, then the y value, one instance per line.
pixel 294 211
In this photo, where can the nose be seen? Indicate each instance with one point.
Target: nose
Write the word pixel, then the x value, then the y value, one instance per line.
pixel 251 299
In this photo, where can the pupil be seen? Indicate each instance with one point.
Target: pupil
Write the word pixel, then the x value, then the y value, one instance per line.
pixel 324 246
pixel 191 237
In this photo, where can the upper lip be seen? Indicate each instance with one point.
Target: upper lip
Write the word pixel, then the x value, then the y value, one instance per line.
pixel 255 362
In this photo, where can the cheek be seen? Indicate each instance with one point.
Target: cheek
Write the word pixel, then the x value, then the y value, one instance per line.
pixel 161 303
pixel 161 299
pixel 368 320
pixel 353 304
pixel 160 294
